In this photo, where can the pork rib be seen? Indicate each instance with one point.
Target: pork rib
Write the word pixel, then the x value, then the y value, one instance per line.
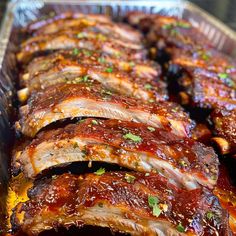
pixel 114 200
pixel 225 130
pixel 79 39
pixel 206 90
pixel 68 69
pixel 91 99
pixel 183 160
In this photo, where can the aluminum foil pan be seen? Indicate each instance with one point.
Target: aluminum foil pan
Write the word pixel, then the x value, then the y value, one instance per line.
pixel 21 12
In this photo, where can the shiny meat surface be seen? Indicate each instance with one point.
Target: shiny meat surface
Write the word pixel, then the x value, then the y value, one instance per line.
pixel 40 23
pixel 169 31
pixel 79 38
pixel 91 99
pixel 141 80
pixel 207 90
pixel 225 130
pixel 127 202
pixel 132 145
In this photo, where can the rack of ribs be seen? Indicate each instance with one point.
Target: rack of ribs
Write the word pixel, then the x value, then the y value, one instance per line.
pixel 90 99
pixel 128 202
pixel 136 146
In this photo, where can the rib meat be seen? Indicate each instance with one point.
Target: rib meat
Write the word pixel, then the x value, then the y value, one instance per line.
pixel 72 20
pixel 39 24
pixel 207 90
pixel 168 31
pixel 91 99
pixel 225 130
pixel 185 161
pixel 123 202
pixel 115 30
pixel 77 38
pixel 59 68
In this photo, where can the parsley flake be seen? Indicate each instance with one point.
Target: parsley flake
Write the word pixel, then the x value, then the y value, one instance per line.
pixel 153 203
pixel 94 122
pixel 151 100
pixel 209 215
pixel 131 64
pixel 151 128
pixel 180 228
pixel 101 60
pixel 130 178
pixel 85 78
pixel 223 75
pixel 167 26
pixel 148 86
pixel 80 35
pixel 156 211
pixel 184 25
pixel 75 51
pixel 132 137
pixel 100 171
pixel 152 200
pixel 109 70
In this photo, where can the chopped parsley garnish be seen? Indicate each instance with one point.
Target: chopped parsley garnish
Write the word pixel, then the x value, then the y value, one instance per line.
pixel 153 203
pixel 156 211
pixel 132 64
pixel 109 70
pixel 148 86
pixel 183 163
pixel 85 78
pixel 151 128
pixel 205 56
pixel 152 200
pixel 80 35
pixel 107 92
pixel 87 53
pixel 183 24
pixel 101 60
pixel 94 122
pixel 151 100
pixel 101 37
pixel 180 24
pixel 133 137
pixel 130 178
pixel 75 51
pixel 223 75
pixel 209 215
pixel 100 171
pixel 174 32
pixel 180 228
pixel 167 26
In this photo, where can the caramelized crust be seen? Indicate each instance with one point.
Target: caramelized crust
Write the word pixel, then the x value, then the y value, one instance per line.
pixel 208 91
pixel 168 31
pixel 225 128
pixel 91 99
pixel 139 80
pixel 79 38
pixel 111 199
pixel 133 145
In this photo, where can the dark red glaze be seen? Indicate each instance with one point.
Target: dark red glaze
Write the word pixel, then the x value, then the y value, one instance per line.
pixel 50 100
pixel 140 78
pixel 66 195
pixel 225 126
pixel 69 39
pixel 40 23
pixel 226 193
pixel 184 154
pixel 171 31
